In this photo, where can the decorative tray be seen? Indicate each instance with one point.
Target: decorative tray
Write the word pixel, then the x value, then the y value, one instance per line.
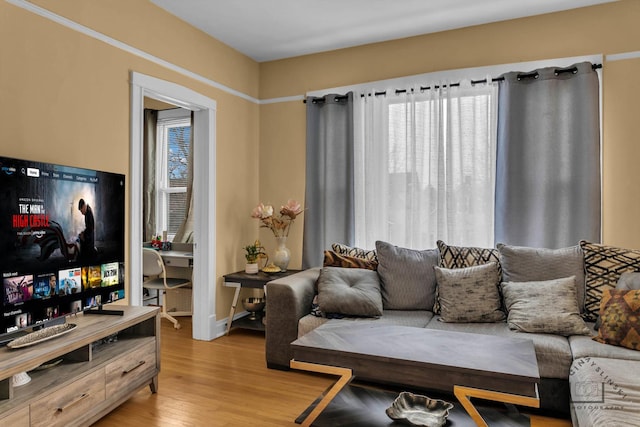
pixel 417 410
pixel 41 335
pixel 271 268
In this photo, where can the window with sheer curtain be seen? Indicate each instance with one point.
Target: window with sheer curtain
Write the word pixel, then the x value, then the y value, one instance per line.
pixel 425 166
pixel 173 146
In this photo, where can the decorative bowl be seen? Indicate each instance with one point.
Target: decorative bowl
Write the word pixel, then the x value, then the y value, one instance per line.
pixel 271 268
pixel 418 410
pixel 253 305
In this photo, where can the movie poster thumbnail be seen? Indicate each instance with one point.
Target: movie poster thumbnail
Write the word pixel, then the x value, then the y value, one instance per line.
pixel 44 286
pixel 94 301
pixel 109 274
pixel 70 281
pixel 23 320
pixel 18 289
pixel 76 306
pixel 121 273
pixel 52 312
pixel 116 295
pixel 91 276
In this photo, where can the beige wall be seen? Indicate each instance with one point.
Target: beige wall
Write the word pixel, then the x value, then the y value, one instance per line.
pixel 65 98
pixel 607 29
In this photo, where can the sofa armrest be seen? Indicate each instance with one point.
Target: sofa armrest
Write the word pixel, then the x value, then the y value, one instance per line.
pixel 288 299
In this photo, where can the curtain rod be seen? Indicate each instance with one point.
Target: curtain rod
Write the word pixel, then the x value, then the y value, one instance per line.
pixel 532 75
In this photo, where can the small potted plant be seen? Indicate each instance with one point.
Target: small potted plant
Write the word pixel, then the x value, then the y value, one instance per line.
pixel 253 253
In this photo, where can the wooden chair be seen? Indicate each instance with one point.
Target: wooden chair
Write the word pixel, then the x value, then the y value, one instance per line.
pixel 155 277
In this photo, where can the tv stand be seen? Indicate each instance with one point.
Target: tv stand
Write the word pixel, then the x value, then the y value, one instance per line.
pixel 93 369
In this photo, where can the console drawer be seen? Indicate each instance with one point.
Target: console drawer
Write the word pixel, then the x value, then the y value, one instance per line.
pixel 69 405
pixel 132 370
pixel 20 418
pixel 177 261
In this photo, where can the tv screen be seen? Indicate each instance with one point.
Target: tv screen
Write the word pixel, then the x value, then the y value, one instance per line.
pixel 61 241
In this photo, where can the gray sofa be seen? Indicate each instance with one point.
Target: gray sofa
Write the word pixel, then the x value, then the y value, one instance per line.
pixel 565 360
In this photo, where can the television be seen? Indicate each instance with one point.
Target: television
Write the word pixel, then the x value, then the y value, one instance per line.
pixel 61 242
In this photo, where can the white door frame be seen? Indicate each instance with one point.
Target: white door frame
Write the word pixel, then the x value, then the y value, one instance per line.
pixel 204 189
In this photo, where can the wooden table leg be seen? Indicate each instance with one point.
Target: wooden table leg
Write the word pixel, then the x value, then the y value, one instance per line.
pixel 464 395
pixel 346 375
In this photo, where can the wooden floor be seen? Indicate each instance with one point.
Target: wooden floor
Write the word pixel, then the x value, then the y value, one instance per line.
pixel 225 382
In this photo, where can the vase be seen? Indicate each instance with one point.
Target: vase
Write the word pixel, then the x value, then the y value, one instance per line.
pixel 251 268
pixel 282 254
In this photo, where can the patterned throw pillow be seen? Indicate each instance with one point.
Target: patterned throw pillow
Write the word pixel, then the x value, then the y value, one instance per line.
pixel 462 257
pixel 547 307
pixel 603 266
pixel 619 313
pixel 469 294
pixel 333 259
pixel 368 254
pixel 628 281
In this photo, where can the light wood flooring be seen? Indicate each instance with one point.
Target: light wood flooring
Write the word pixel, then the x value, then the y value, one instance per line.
pixel 225 382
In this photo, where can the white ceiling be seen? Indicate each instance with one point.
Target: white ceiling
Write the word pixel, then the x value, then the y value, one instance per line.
pixel 266 30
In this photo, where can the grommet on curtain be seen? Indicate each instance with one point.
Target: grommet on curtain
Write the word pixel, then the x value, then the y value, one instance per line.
pixel 533 75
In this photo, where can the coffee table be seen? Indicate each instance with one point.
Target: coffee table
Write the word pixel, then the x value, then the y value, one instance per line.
pixel 468 365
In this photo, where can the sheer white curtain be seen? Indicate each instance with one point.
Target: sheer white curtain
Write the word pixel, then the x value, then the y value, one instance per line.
pixel 425 166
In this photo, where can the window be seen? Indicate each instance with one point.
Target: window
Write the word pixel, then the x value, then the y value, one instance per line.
pixel 427 167
pixel 172 166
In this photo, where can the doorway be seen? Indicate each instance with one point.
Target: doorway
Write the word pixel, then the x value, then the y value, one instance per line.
pixel 204 272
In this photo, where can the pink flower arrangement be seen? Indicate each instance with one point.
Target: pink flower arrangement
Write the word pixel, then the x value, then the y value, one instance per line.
pixel 281 223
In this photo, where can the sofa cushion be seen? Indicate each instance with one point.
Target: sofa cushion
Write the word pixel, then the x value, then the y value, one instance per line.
pixel 350 291
pixel 342 249
pixel 552 351
pixel 407 277
pixel 619 314
pixel 545 307
pixel 469 294
pixel 605 392
pixel 309 322
pixel 584 346
pixel 464 256
pixel 334 259
pixel 603 267
pixel 524 264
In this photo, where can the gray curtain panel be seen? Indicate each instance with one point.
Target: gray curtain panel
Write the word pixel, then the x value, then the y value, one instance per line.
pixel 149 173
pixel 328 215
pixel 548 159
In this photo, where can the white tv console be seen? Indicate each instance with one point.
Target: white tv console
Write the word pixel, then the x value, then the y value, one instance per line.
pixel 94 376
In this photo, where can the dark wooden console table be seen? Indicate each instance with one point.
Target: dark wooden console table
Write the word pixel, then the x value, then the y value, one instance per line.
pixel 239 280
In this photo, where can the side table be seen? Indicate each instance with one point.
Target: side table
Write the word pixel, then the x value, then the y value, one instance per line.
pixel 239 280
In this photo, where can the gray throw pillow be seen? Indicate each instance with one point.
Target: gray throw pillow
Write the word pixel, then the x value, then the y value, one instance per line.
pixel 548 307
pixel 629 281
pixel 350 291
pixel 524 264
pixel 469 294
pixel 407 277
